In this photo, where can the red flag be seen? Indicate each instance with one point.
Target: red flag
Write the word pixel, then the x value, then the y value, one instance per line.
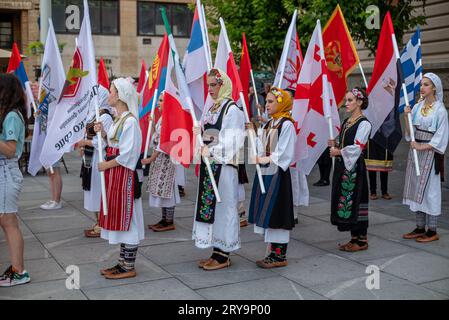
pixel 142 77
pixel 14 60
pixel 340 52
pixel 103 78
pixel 245 72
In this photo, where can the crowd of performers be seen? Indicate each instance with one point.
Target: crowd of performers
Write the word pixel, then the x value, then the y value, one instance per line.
pixel 223 129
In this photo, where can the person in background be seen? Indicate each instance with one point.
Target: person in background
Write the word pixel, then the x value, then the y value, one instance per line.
pixel 13 129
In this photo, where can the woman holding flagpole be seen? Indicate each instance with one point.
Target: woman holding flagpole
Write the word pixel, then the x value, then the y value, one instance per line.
pixel 272 213
pixel 162 182
pixel 90 176
pixel 423 194
pixel 349 202
pixel 217 224
pixel 123 223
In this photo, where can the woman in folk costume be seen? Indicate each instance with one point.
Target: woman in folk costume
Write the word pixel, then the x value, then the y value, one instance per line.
pixel 349 203
pixel 162 182
pixel 423 194
pixel 272 212
pixel 216 224
pixel 89 167
pixel 123 223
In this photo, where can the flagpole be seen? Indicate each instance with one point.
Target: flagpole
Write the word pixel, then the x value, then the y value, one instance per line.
pixel 284 57
pixel 207 36
pixel 363 75
pixel 147 142
pixel 190 104
pixel 407 103
pixel 203 30
pixel 255 91
pixel 100 149
pixel 326 83
pixel 245 111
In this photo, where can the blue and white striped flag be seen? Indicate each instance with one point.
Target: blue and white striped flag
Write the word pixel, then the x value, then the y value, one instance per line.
pixel 411 69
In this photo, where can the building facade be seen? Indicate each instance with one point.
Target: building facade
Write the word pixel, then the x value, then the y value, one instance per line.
pixel 124 31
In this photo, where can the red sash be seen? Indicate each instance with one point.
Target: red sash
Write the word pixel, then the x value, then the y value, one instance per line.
pixel 120 196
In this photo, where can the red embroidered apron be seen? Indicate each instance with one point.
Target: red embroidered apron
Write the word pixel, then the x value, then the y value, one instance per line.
pixel 120 196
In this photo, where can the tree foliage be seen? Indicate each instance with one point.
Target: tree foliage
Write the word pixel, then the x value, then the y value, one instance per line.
pixel 266 22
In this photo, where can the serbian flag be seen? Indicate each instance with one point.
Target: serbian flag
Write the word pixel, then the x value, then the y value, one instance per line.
pixel 156 80
pixel 291 59
pixel 385 84
pixel 245 73
pixel 313 106
pixel 224 60
pixel 340 52
pixel 142 77
pixel 16 66
pixel 195 62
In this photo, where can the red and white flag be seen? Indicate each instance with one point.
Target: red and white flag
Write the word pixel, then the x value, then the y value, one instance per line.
pixel 291 59
pixel 384 87
pixel 313 106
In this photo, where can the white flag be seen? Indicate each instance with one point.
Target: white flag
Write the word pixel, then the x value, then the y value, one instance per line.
pixel 291 59
pixel 52 81
pixel 80 88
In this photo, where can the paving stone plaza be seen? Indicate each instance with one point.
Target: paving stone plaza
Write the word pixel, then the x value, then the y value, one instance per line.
pixel 167 262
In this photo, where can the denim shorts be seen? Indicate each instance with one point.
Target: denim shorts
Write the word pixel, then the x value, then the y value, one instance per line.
pixel 11 180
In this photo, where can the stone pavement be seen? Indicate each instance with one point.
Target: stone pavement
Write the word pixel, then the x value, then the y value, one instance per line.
pixel 167 262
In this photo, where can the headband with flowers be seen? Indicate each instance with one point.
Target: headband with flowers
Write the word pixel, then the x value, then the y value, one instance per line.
pixel 357 93
pixel 218 78
pixel 277 94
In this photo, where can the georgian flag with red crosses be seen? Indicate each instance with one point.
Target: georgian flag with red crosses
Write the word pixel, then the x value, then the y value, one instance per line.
pixel 313 105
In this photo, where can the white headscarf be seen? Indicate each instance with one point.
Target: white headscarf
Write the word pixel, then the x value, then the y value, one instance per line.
pixel 127 93
pixel 437 83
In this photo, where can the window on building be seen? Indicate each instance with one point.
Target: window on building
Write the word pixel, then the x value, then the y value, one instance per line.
pixel 150 20
pixel 104 16
pixel 6 34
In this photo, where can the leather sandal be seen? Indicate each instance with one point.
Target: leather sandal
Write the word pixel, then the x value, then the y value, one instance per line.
pixel 109 270
pixel 425 238
pixel 95 232
pixel 414 234
pixel 342 247
pixel 268 263
pixel 215 265
pixel 354 247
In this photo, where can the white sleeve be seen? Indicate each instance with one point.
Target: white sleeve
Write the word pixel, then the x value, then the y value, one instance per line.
pixel 130 144
pixel 107 124
pixel 231 137
pixel 440 138
pixel 285 148
pixel 351 153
